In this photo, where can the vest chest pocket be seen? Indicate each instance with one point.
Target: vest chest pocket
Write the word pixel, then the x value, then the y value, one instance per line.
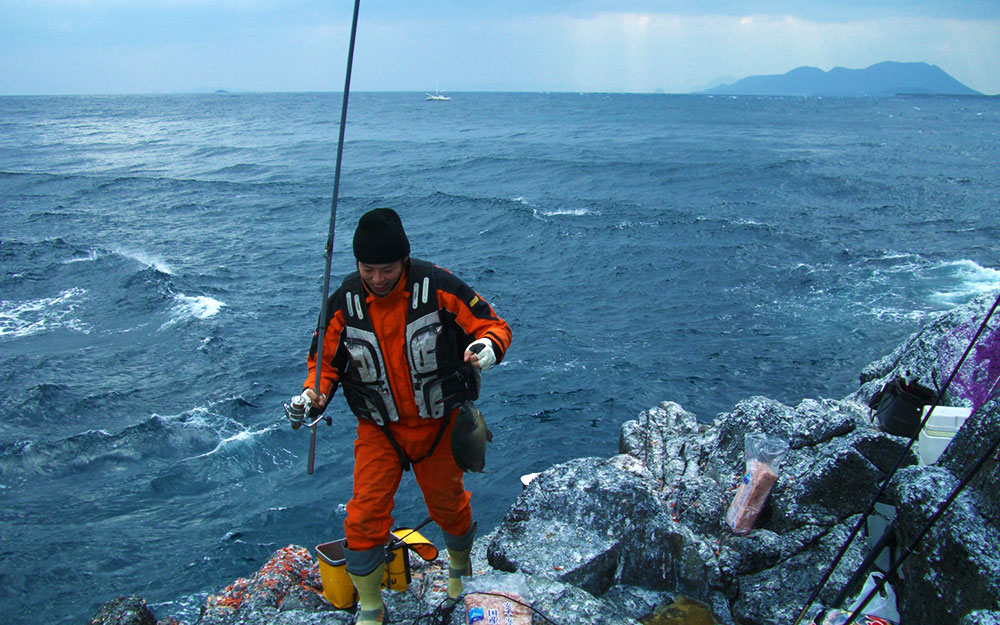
pixel 424 347
pixel 364 360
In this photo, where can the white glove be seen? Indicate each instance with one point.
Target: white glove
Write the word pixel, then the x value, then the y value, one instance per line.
pixel 480 354
pixel 318 399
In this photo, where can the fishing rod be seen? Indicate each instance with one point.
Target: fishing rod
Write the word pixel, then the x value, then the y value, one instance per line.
pixel 396 541
pixel 888 539
pixel 298 411
pixel 885 484
pixel 969 476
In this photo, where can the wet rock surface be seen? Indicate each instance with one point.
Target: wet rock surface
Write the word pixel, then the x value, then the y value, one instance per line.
pixel 129 610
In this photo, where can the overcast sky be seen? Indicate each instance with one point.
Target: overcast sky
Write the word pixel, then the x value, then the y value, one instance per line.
pixel 152 46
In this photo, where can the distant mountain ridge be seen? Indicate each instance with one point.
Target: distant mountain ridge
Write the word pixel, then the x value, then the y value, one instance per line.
pixel 882 79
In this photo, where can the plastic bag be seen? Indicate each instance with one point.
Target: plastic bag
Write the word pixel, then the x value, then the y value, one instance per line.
pixel 498 600
pixel 763 456
pixel 883 604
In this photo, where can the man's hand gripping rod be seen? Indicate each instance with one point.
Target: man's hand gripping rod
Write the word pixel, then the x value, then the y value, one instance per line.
pixel 299 412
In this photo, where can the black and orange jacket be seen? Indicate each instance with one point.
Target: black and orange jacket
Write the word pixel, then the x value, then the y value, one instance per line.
pixel 359 321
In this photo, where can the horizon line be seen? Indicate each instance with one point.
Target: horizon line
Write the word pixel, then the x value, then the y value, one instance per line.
pixel 655 92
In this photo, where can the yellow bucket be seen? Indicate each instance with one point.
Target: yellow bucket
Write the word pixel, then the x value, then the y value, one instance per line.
pixel 338 588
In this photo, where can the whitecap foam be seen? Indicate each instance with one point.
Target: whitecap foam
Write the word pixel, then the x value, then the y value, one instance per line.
pixel 900 315
pixel 575 212
pixel 890 255
pixel 204 416
pixel 196 307
pixel 244 439
pixel 89 258
pixel 201 306
pixel 965 280
pixel 25 318
pixel 147 259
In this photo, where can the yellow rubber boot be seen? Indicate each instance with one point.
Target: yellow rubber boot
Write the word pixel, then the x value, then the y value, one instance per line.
pixel 459 564
pixel 371 609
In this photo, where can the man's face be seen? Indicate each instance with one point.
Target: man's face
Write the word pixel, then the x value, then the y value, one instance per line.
pixel 381 278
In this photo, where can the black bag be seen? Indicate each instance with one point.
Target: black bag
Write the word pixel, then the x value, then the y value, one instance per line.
pixel 899 406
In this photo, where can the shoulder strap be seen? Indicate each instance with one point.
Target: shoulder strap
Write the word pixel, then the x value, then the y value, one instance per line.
pixel 423 291
pixel 355 307
pixel 423 295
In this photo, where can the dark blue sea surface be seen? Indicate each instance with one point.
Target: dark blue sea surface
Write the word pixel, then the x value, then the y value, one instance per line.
pixel 161 262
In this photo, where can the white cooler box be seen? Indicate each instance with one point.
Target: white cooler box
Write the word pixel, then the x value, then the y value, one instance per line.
pixel 939 430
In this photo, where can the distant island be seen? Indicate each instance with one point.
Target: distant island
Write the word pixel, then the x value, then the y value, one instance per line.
pixel 882 79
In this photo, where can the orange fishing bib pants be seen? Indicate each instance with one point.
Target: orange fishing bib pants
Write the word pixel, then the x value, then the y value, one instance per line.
pixel 378 471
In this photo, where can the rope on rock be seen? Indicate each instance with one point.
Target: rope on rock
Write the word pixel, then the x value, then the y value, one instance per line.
pixel 441 614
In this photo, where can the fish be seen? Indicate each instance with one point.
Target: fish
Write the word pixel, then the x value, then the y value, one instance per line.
pixel 469 438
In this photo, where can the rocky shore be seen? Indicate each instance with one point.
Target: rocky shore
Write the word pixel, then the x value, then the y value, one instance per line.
pixel 612 540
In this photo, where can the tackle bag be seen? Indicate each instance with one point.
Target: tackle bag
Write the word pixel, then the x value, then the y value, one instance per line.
pixel 899 404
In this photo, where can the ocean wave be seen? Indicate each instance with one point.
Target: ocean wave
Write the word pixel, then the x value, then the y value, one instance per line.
pixel 237 448
pixel 147 259
pixel 544 214
pixel 900 315
pixel 215 150
pixel 964 280
pixel 240 441
pixel 239 169
pixel 28 317
pixel 894 258
pixel 747 221
pixel 196 433
pixel 91 256
pixel 556 212
pixel 67 456
pixel 928 286
pixel 196 307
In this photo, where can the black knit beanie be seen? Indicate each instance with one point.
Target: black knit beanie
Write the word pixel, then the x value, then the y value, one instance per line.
pixel 380 238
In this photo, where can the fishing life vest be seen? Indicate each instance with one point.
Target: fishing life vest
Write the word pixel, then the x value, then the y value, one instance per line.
pixel 440 379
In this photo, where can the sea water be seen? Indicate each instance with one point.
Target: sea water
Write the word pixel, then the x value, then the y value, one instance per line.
pixel 161 269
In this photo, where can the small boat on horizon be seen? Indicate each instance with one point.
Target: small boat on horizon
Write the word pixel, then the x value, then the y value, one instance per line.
pixel 437 97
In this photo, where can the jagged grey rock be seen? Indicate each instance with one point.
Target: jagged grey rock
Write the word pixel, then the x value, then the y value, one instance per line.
pixel 565 603
pixel 130 610
pixel 931 354
pixel 597 523
pixel 970 444
pixel 571 524
pixel 956 567
pixel 776 594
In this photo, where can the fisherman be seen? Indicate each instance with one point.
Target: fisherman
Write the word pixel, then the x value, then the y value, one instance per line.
pixel 406 341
